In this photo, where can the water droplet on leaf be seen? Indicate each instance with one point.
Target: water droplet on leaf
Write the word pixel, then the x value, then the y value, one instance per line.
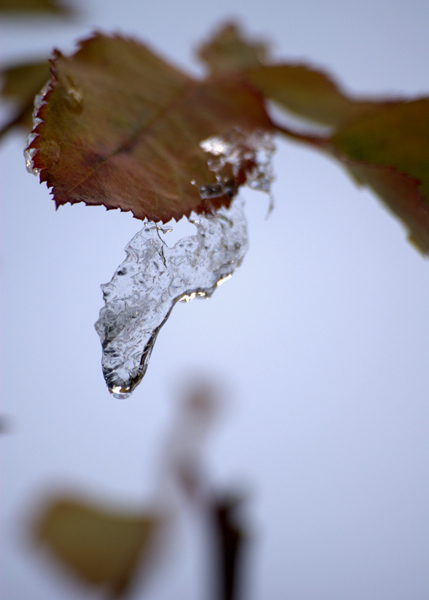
pixel 73 96
pixel 242 155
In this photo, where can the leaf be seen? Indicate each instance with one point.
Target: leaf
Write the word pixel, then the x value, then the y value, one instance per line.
pixel 100 545
pixel 34 7
pixel 229 51
pixel 396 139
pixel 401 194
pixel 383 143
pixel 21 83
pixel 122 128
pixel 299 88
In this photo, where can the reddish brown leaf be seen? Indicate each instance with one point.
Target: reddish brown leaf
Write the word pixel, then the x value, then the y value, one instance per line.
pixel 385 144
pixel 24 80
pixel 310 93
pixel 397 136
pixel 121 127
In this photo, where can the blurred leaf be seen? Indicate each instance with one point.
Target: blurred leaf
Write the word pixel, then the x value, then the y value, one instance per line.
pixel 401 194
pixel 396 139
pixel 21 83
pixel 307 92
pixel 384 144
pixel 24 80
pixel 23 7
pixel 101 546
pixel 229 51
pixel 122 128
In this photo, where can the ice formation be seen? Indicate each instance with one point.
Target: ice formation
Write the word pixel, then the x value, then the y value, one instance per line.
pixel 150 281
pixel 154 277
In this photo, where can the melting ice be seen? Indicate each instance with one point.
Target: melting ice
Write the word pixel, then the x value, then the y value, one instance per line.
pixel 153 277
pixel 150 281
pixel 238 149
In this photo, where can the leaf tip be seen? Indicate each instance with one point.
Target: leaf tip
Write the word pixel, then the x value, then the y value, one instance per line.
pixel 229 50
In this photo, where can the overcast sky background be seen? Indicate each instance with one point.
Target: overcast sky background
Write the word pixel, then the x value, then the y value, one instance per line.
pixel 319 342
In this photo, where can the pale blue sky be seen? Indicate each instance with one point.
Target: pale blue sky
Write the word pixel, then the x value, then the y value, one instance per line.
pixel 320 339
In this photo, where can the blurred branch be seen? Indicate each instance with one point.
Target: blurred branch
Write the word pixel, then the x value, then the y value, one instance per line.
pixel 26 8
pixel 230 541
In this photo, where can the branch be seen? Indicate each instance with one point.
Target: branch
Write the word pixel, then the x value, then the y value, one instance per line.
pixel 321 142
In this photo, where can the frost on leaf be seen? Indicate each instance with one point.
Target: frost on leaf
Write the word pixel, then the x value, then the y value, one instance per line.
pixel 102 546
pixel 388 150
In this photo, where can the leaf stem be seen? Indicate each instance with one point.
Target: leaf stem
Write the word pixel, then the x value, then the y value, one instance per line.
pixel 321 142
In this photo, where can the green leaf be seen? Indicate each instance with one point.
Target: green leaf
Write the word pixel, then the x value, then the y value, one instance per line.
pixel 122 128
pixel 302 89
pixel 394 137
pixel 34 7
pixel 389 151
pixel 21 83
pixel 401 194
pixel 101 546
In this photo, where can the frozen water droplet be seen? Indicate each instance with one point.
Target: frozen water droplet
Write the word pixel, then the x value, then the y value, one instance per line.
pixel 237 150
pixel 73 96
pixel 117 392
pixel 39 100
pixel 29 153
pixel 153 278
